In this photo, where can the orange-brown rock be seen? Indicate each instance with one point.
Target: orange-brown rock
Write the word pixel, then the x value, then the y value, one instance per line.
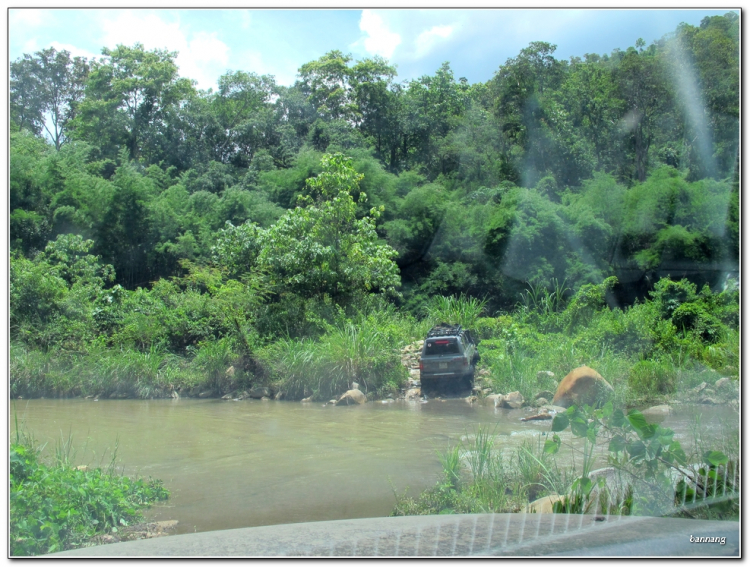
pixel 583 386
pixel 544 505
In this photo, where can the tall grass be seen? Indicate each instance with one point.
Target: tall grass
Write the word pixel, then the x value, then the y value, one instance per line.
pixel 212 361
pixel 364 353
pixel 479 477
pixel 545 301
pixel 455 310
pixel 101 371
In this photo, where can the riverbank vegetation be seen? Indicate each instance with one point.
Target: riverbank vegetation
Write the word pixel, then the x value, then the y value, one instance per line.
pixel 55 505
pixel 168 240
pixel 617 463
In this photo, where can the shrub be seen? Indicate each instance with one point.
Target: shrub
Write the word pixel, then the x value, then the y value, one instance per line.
pixel 694 317
pixel 668 295
pixel 650 377
pixel 54 507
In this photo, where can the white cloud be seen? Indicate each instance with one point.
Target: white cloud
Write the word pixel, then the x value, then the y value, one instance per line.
pixel 427 40
pixel 380 40
pixel 29 17
pixel 149 29
pixel 31 46
pixel 202 58
pixel 283 70
pixel 73 50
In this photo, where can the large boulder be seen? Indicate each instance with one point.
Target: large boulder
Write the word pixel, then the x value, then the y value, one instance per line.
pixel 725 386
pixel 583 386
pixel 259 392
pixel 351 397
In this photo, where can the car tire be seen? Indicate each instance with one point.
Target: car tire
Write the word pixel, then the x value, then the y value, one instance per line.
pixel 469 380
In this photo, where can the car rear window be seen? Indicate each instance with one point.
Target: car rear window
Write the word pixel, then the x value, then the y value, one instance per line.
pixel 441 346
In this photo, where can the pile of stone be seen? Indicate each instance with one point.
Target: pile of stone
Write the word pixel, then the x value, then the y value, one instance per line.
pixel 410 357
pixel 722 391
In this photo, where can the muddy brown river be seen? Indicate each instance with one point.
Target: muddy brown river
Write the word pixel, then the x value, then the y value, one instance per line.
pixel 251 463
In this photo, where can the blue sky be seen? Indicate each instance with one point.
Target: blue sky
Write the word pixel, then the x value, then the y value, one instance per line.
pixel 277 42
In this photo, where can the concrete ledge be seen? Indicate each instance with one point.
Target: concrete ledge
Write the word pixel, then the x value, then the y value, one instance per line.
pixel 460 535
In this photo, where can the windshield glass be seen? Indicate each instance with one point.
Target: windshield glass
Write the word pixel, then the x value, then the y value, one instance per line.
pixel 441 346
pixel 470 273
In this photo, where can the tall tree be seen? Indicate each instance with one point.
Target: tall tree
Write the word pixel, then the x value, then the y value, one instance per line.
pixel 45 91
pixel 643 88
pixel 521 86
pixel 325 82
pixel 130 96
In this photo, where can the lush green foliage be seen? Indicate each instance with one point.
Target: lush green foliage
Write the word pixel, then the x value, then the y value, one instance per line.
pixel 651 458
pixel 57 506
pixel 161 235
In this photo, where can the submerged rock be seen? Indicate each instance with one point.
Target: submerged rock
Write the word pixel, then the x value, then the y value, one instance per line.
pixel 353 396
pixel 514 400
pixel 413 393
pixel 657 413
pixel 542 415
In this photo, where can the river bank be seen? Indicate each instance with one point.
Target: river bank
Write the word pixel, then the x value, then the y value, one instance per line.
pixel 673 342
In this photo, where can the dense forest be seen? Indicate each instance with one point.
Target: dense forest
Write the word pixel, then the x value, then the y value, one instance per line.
pixel 204 228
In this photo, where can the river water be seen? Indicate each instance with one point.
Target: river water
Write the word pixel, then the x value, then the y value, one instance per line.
pixel 251 463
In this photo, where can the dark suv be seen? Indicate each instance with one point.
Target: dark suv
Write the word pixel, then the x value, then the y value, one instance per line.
pixel 449 355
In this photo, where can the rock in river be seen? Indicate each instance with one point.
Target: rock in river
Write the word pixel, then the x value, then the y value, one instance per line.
pixel 351 397
pixel 514 400
pixel 583 385
pixel 258 393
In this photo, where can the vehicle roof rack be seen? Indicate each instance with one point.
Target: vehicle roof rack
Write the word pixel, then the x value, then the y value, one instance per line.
pixel 443 330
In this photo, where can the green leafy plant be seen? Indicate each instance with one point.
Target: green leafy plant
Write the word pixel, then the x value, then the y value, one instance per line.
pixel 57 506
pixel 647 453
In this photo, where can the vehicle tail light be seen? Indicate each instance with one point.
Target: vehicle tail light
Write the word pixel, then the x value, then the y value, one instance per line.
pixel 421 366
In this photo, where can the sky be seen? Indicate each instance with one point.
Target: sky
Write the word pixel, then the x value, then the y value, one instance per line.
pixel 277 42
